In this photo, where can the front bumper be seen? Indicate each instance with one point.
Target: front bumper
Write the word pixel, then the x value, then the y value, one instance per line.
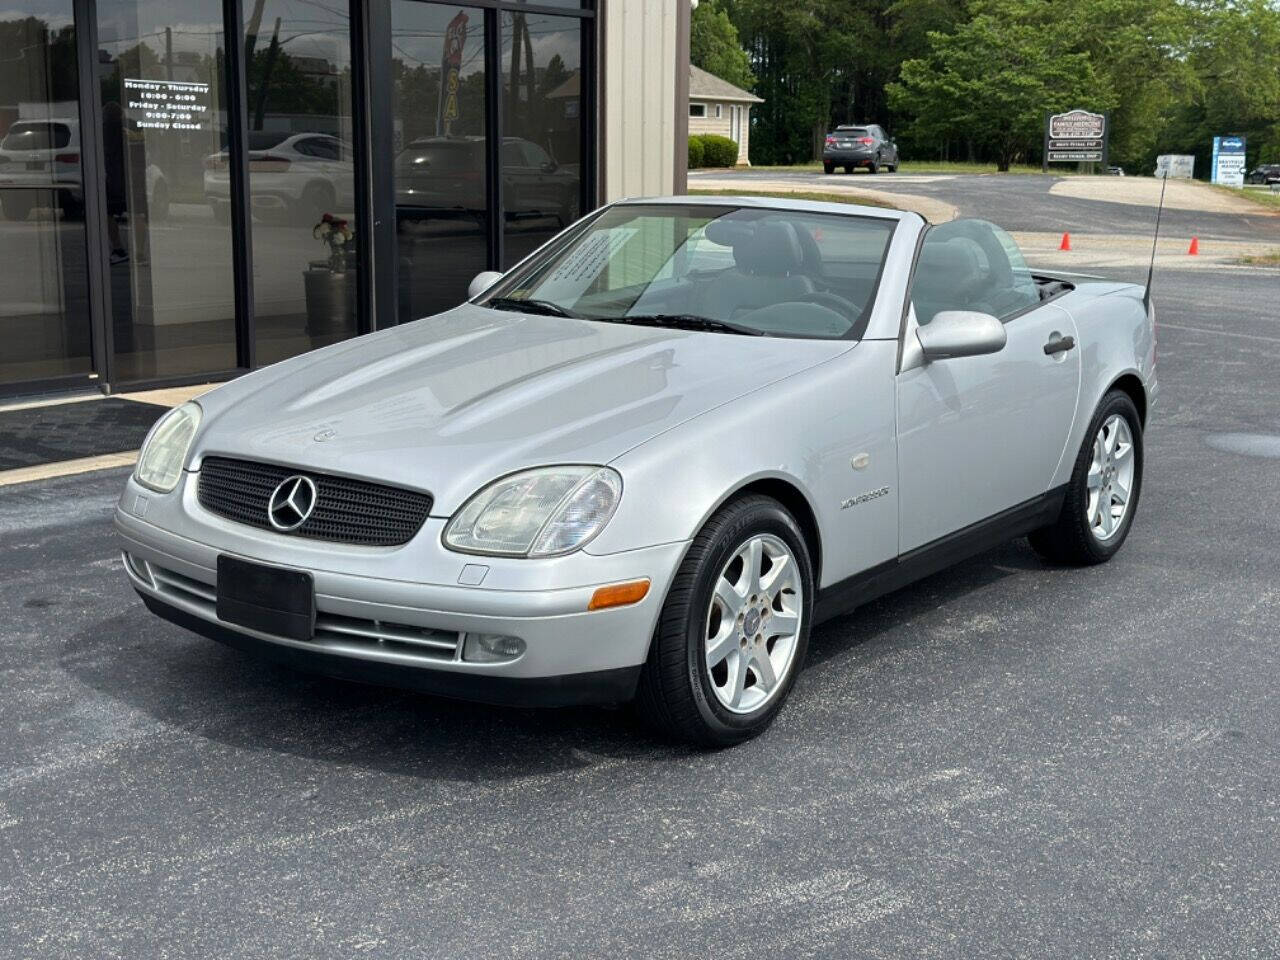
pixel 399 615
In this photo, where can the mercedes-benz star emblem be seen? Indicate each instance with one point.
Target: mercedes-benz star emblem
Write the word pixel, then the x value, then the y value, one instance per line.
pixel 292 503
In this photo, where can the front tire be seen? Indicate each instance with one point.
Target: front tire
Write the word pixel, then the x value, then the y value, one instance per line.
pixel 1102 494
pixel 733 633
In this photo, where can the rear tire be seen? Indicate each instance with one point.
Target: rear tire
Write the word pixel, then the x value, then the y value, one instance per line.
pixel 707 678
pixel 874 167
pixel 828 168
pixel 1108 468
pixel 848 168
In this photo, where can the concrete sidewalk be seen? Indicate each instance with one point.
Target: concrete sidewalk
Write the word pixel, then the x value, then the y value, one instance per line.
pixel 169 397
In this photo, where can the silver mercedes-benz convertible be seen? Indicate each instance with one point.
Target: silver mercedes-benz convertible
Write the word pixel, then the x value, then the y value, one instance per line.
pixel 642 464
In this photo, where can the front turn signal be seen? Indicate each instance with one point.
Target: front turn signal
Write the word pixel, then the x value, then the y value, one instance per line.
pixel 619 594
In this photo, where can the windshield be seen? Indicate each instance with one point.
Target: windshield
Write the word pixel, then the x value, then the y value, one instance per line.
pixel 729 269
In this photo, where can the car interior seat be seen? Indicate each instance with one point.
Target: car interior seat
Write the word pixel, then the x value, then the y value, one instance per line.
pixel 768 259
pixel 951 276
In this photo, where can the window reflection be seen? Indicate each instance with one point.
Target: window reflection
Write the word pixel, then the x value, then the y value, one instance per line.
pixel 438 116
pixel 44 316
pixel 160 66
pixel 301 175
pixel 542 126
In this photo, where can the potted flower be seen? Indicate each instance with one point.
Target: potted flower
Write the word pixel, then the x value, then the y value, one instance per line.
pixel 331 284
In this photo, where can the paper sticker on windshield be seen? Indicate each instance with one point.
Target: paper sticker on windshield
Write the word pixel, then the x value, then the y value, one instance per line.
pixel 584 263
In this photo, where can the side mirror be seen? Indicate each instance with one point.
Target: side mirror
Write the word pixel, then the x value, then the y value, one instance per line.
pixel 961 333
pixel 550 167
pixel 482 282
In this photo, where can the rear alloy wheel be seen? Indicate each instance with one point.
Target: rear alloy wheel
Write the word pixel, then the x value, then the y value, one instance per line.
pixel 1102 495
pixel 734 630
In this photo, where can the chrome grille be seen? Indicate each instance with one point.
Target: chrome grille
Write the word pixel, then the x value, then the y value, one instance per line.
pixel 347 511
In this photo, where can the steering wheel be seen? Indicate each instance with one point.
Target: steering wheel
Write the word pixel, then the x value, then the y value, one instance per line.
pixel 832 301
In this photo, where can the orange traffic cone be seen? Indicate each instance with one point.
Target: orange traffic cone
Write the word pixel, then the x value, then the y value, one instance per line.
pixel 1194 250
pixel 1066 242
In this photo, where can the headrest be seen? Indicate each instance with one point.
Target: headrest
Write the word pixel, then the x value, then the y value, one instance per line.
pixel 773 250
pixel 728 233
pixel 958 258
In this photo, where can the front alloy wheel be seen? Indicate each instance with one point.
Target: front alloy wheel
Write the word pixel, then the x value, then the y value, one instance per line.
pixel 753 624
pixel 1110 478
pixel 733 632
pixel 1102 494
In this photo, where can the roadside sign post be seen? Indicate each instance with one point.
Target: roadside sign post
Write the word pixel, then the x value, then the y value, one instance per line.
pixel 1176 166
pixel 1076 136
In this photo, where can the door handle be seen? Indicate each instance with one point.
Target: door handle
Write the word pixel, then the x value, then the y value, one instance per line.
pixel 1058 345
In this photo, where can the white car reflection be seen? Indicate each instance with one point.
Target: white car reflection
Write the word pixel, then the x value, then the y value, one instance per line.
pixel 293 177
pixel 40 163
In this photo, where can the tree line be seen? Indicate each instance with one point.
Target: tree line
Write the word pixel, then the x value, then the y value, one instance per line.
pixel 972 79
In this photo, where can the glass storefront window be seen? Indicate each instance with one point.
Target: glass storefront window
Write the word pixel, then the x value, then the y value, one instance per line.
pixel 302 189
pixel 44 308
pixel 542 129
pixel 171 284
pixel 438 118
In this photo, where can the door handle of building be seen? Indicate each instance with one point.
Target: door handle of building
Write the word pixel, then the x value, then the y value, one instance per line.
pixel 1058 345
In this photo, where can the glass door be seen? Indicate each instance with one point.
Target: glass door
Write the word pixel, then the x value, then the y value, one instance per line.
pixel 44 300
pixel 439 118
pixel 302 185
pixel 170 278
pixel 542 143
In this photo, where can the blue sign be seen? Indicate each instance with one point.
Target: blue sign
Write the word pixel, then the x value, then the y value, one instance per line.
pixel 1227 165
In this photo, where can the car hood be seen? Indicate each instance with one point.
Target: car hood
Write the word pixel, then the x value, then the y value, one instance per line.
pixel 449 403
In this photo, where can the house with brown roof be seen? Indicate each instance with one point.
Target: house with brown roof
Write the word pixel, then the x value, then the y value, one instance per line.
pixel 717 106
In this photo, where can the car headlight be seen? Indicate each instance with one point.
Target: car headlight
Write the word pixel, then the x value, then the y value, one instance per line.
pixel 543 512
pixel 165 449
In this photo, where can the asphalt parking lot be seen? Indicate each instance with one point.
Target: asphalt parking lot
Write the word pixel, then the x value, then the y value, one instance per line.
pixel 1023 202
pixel 1007 759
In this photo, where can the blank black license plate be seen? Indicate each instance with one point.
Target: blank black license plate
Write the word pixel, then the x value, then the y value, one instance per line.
pixel 267 599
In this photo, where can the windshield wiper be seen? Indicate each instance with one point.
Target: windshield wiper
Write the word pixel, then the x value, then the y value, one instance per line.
pixel 543 307
pixel 687 321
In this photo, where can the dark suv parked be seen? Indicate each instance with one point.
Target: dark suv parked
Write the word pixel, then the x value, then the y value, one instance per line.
pixel 1265 173
pixel 867 146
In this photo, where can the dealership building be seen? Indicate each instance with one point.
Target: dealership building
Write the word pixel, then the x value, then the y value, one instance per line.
pixel 195 188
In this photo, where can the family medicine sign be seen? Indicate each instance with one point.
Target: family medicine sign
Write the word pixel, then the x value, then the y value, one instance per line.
pixel 1076 136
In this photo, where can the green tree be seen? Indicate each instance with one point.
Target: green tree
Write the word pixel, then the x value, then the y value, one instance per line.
pixel 1139 51
pixel 1237 62
pixel 799 50
pixel 993 79
pixel 714 46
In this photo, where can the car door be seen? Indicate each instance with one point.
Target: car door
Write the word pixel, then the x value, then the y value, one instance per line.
pixel 981 434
